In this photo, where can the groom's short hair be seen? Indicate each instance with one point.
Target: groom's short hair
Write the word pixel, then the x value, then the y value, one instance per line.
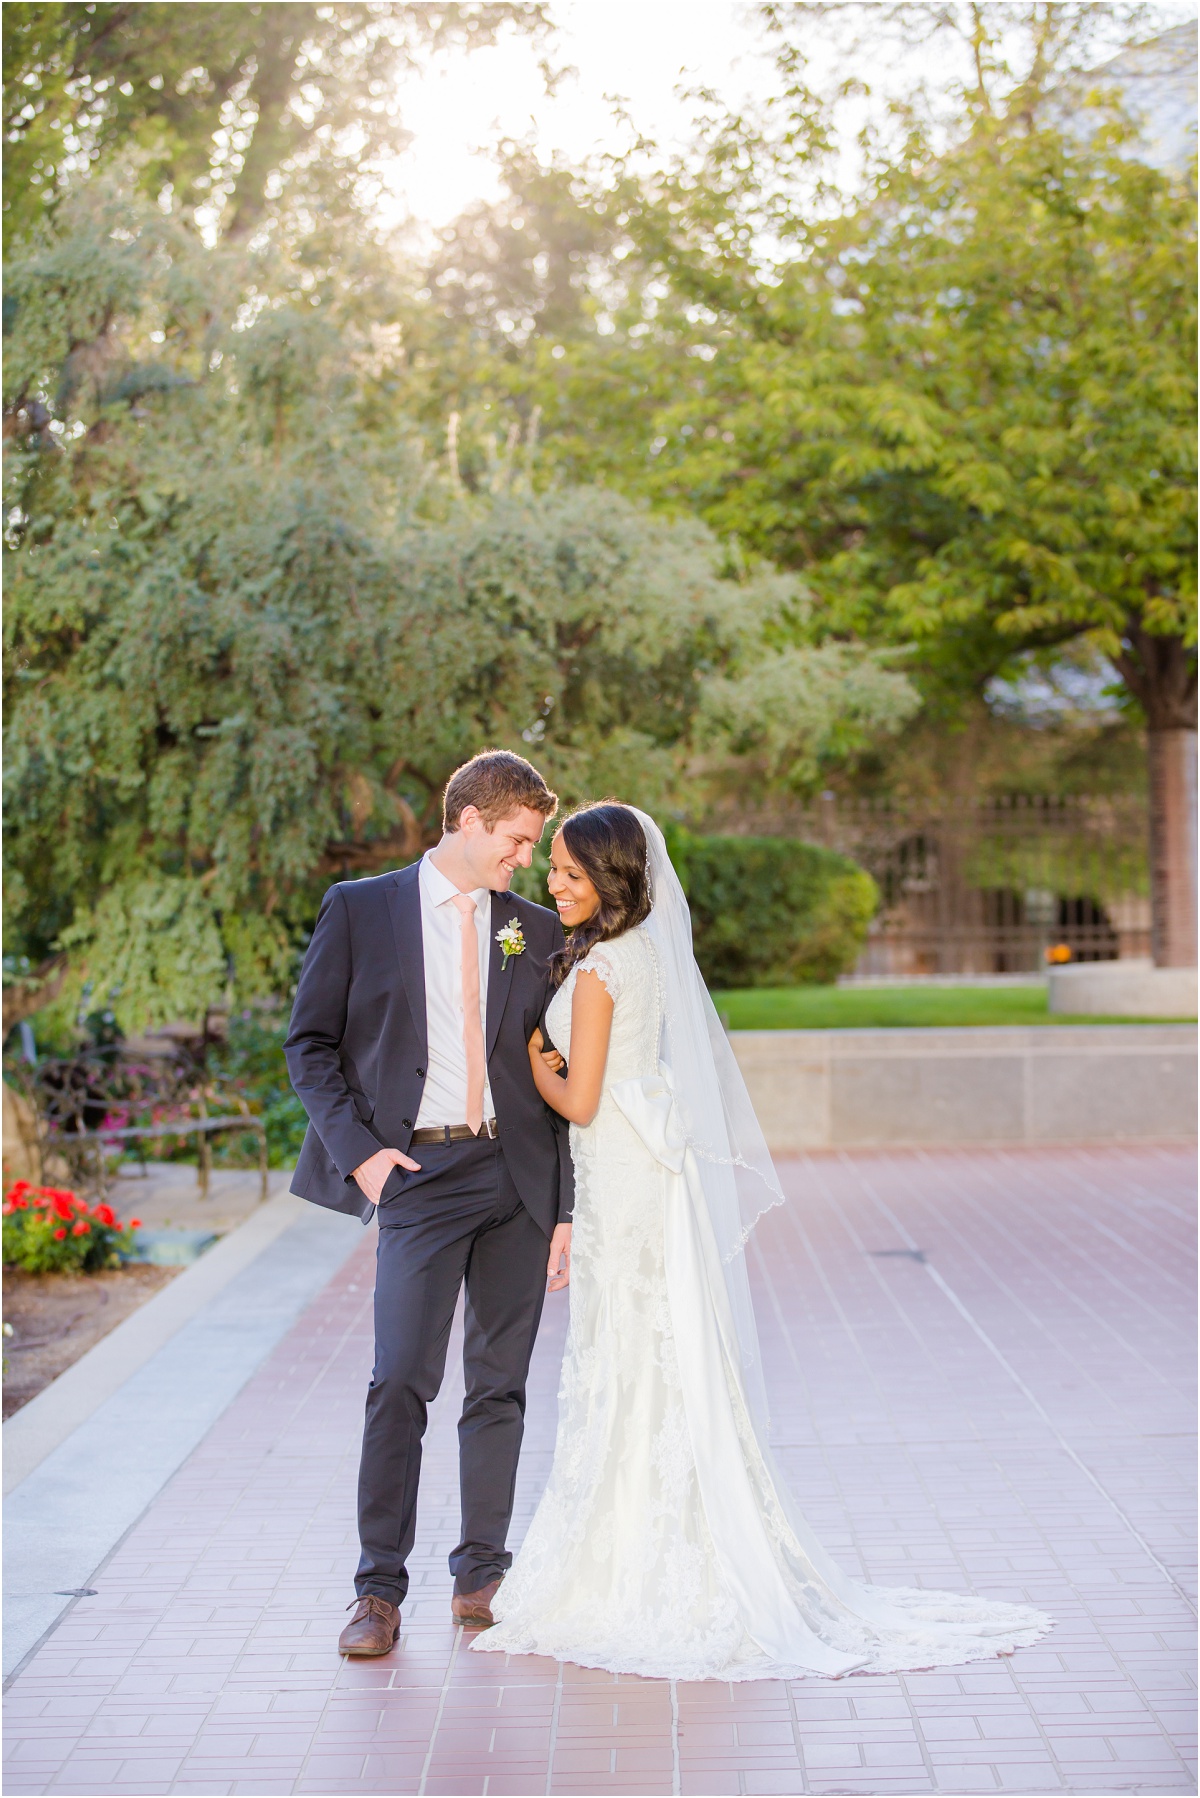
pixel 497 783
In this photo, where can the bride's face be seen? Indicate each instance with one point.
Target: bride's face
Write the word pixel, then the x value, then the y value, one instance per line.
pixel 574 895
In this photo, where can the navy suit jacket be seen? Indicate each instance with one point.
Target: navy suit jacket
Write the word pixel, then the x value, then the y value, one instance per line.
pixel 357 1048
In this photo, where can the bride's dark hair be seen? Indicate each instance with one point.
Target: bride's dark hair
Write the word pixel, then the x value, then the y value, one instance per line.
pixel 609 844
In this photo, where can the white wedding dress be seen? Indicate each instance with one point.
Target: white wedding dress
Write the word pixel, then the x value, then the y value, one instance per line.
pixel 666 1543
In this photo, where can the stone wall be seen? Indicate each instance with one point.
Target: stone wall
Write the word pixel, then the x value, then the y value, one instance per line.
pixel 822 1089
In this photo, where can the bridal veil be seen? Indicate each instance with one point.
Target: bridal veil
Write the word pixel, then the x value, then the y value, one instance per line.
pixel 712 1107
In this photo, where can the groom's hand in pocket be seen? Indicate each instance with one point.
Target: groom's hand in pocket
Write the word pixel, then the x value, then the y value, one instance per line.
pixel 558 1268
pixel 372 1174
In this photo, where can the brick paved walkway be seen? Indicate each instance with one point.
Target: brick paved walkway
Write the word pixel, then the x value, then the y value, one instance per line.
pixel 981 1366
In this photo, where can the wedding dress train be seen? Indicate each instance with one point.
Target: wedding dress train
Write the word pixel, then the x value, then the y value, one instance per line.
pixel 666 1542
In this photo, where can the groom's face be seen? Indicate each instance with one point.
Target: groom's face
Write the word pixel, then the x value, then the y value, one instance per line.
pixel 493 855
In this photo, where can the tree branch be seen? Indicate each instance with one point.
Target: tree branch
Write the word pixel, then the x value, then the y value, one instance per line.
pixel 25 997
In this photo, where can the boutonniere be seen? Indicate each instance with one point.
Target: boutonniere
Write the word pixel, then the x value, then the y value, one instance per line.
pixel 511 939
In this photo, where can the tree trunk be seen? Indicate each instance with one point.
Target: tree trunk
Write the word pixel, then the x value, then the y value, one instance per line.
pixel 1161 674
pixel 1173 846
pixel 271 91
pixel 25 997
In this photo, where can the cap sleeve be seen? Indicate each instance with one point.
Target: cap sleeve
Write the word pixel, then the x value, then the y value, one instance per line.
pixel 605 964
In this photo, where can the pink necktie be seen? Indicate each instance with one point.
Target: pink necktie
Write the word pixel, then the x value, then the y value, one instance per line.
pixel 472 1027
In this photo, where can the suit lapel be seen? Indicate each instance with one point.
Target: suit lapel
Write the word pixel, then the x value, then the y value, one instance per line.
pixel 499 984
pixel 404 904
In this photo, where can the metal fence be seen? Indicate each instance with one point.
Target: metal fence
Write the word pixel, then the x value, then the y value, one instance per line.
pixel 998 886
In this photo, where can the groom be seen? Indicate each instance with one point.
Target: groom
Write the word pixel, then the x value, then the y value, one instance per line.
pixel 417 998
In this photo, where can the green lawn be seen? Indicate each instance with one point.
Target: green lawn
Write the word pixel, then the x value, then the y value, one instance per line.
pixel 863 1008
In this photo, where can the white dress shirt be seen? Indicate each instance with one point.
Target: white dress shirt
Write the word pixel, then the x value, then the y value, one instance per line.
pixel 444 1100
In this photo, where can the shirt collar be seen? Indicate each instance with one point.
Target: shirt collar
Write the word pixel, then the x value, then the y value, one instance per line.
pixel 440 890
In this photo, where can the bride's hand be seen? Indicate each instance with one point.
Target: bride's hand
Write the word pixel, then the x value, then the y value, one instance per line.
pixel 558 1268
pixel 550 1055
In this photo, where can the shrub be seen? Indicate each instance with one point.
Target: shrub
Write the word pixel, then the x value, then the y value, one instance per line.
pixel 48 1230
pixel 770 911
pixel 250 1067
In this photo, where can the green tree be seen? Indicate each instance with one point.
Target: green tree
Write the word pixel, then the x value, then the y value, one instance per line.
pixel 962 404
pixel 250 630
pixel 971 422
pixel 224 103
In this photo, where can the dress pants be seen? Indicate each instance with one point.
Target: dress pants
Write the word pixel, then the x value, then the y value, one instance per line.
pixel 458 1219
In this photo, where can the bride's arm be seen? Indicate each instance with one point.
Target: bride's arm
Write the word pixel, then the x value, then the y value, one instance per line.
pixel 577 1097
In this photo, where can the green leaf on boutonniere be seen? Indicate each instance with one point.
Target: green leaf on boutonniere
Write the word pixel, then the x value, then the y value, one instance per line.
pixel 511 940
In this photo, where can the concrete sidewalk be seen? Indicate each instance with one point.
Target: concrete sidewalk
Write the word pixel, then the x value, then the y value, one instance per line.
pixel 981 1366
pixel 85 1457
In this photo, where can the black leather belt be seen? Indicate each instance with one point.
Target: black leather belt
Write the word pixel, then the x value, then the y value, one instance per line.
pixel 447 1133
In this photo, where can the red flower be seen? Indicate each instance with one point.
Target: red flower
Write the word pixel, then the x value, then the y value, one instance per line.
pixel 105 1214
pixel 135 1223
pixel 79 1228
pixel 58 1235
pixel 62 1207
pixel 19 1189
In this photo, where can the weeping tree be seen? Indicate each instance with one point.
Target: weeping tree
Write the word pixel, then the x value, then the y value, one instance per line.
pixel 251 629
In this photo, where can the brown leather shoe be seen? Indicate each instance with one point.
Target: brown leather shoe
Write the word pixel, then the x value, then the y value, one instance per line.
pixel 474 1609
pixel 373 1628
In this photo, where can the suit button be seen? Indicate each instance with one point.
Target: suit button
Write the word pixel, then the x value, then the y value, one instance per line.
pixel 407 1122
pixel 420 1073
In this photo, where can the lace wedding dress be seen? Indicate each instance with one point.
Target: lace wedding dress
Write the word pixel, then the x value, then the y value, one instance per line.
pixel 666 1543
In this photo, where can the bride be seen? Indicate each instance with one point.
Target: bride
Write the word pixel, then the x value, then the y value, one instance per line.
pixel 666 1542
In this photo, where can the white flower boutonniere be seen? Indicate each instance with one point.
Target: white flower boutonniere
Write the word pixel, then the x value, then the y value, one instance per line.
pixel 511 940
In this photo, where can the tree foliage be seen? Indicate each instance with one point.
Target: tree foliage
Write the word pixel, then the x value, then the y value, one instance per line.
pixel 967 413
pixel 961 400
pixel 251 630
pixel 292 525
pixel 230 107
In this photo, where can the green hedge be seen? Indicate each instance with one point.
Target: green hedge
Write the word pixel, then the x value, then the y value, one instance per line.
pixel 769 911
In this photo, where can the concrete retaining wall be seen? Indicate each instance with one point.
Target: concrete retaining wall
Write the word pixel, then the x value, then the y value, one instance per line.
pixel 1123 989
pixel 823 1089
